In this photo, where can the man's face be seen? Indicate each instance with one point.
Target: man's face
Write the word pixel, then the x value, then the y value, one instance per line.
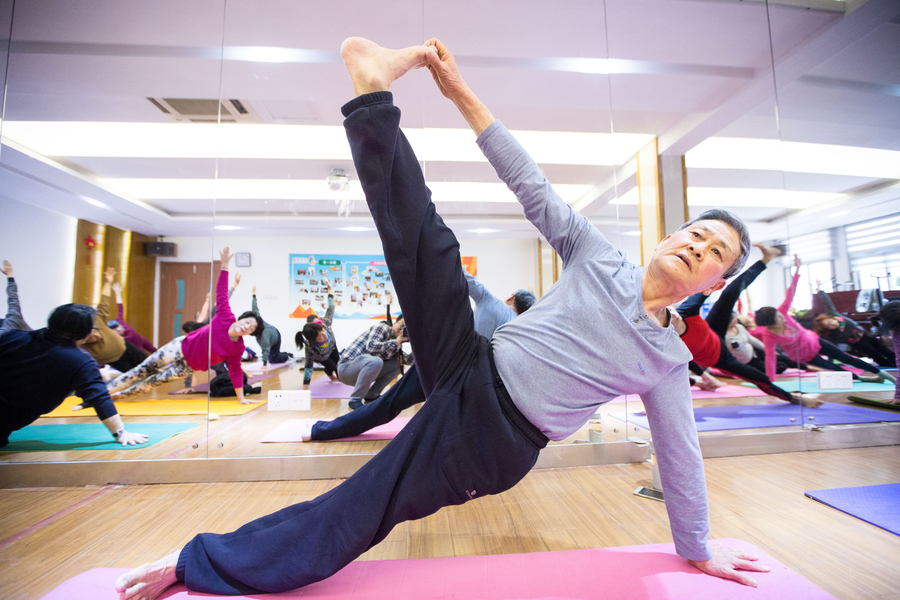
pixel 694 259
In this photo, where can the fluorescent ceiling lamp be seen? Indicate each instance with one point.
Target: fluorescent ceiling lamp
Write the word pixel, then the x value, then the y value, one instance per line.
pixel 355 228
pixel 306 189
pixel 755 198
pixel 298 142
pixel 227 227
pixel 839 213
pixel 794 157
pixel 633 233
pixel 630 198
pixel 483 230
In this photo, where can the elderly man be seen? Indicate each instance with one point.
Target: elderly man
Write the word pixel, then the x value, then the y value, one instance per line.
pixel 492 404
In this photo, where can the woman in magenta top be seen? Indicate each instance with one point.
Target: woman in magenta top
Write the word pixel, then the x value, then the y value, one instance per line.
pixel 799 343
pixel 220 341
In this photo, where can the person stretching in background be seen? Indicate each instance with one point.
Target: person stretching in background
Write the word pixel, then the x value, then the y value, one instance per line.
pixel 204 315
pixel 319 344
pixel 126 330
pixel 268 338
pixel 890 317
pixel 839 329
pixel 104 344
pixel 801 344
pixel 13 319
pixel 39 369
pixel 220 341
pixel 373 360
pixel 492 312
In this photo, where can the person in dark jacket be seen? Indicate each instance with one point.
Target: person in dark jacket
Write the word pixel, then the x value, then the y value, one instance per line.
pixel 39 369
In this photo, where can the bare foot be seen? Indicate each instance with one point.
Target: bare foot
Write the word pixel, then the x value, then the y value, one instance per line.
pixel 334 379
pixel 306 432
pixel 769 252
pixel 148 581
pixel 373 68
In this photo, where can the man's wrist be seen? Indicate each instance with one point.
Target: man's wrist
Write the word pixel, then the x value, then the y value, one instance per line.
pixel 119 433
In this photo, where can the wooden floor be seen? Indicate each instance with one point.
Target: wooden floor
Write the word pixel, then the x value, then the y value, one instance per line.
pixel 233 436
pixel 758 499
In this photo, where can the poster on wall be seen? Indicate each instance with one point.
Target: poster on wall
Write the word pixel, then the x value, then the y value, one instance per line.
pixel 360 283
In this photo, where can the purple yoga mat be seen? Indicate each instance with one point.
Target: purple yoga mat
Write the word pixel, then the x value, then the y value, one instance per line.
pixel 652 572
pixel 204 387
pixel 325 388
pixel 753 416
pixel 878 505
pixel 291 430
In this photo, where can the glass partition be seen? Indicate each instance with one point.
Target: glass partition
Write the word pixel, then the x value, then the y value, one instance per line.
pixel 105 124
pixel 839 153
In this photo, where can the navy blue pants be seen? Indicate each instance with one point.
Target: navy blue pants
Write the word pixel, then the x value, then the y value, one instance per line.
pixel 407 392
pixel 468 439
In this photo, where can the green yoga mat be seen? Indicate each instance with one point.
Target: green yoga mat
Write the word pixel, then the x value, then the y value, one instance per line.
pixel 808 386
pixel 86 436
pixel 878 403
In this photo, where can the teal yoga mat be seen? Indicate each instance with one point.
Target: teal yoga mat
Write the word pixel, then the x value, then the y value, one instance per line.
pixel 808 386
pixel 86 436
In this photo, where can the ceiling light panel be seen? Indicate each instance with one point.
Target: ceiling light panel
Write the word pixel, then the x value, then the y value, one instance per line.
pixel 298 142
pixel 769 198
pixel 794 157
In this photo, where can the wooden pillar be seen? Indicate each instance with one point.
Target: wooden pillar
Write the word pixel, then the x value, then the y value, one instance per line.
pixel 141 287
pixel 89 248
pixel 650 203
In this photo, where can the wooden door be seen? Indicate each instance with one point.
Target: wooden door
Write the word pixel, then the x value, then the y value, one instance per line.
pixel 182 291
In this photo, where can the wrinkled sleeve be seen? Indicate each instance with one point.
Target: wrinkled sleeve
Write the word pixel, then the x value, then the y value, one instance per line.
pixel 567 231
pixel 308 364
pixel 329 312
pixel 677 448
pixel 476 290
pixel 380 343
pixel 90 388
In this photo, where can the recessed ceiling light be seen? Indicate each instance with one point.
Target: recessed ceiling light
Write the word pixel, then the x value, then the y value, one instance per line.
pixel 755 197
pixel 355 228
pixel 634 233
pixel 483 230
pixel 838 213
pixel 227 227
pixel 95 202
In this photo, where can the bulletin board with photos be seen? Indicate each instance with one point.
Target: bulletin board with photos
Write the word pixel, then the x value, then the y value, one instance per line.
pixel 360 283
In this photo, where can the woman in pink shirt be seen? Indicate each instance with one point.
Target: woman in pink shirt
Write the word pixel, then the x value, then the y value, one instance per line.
pixel 799 343
pixel 220 341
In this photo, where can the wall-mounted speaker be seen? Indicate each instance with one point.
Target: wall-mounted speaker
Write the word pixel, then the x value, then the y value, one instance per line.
pixel 160 249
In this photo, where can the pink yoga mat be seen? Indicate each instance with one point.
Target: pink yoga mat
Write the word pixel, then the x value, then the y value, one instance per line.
pixel 652 572
pixel 290 431
pixel 257 367
pixel 325 388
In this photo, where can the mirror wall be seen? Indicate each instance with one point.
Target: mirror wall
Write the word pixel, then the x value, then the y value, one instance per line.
pixel 222 129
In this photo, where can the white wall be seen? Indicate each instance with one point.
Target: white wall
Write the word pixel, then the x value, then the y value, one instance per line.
pixel 503 267
pixel 40 244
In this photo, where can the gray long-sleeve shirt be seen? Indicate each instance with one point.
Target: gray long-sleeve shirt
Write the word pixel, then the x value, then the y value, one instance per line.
pixel 13 319
pixel 589 340
pixel 490 311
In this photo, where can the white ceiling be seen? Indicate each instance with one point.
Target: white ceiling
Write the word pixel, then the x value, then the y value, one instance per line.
pixel 685 71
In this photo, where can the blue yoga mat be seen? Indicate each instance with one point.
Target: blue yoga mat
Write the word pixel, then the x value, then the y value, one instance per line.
pixel 808 386
pixel 878 505
pixel 86 436
pixel 753 416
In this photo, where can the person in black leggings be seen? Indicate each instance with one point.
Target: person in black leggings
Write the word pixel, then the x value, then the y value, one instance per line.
pixel 706 338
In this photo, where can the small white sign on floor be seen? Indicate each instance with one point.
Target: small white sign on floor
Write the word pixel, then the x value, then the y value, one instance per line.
pixel 289 400
pixel 834 380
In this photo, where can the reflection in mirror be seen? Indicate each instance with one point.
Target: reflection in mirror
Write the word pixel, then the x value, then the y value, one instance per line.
pixel 90 136
pixel 698 80
pixel 840 151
